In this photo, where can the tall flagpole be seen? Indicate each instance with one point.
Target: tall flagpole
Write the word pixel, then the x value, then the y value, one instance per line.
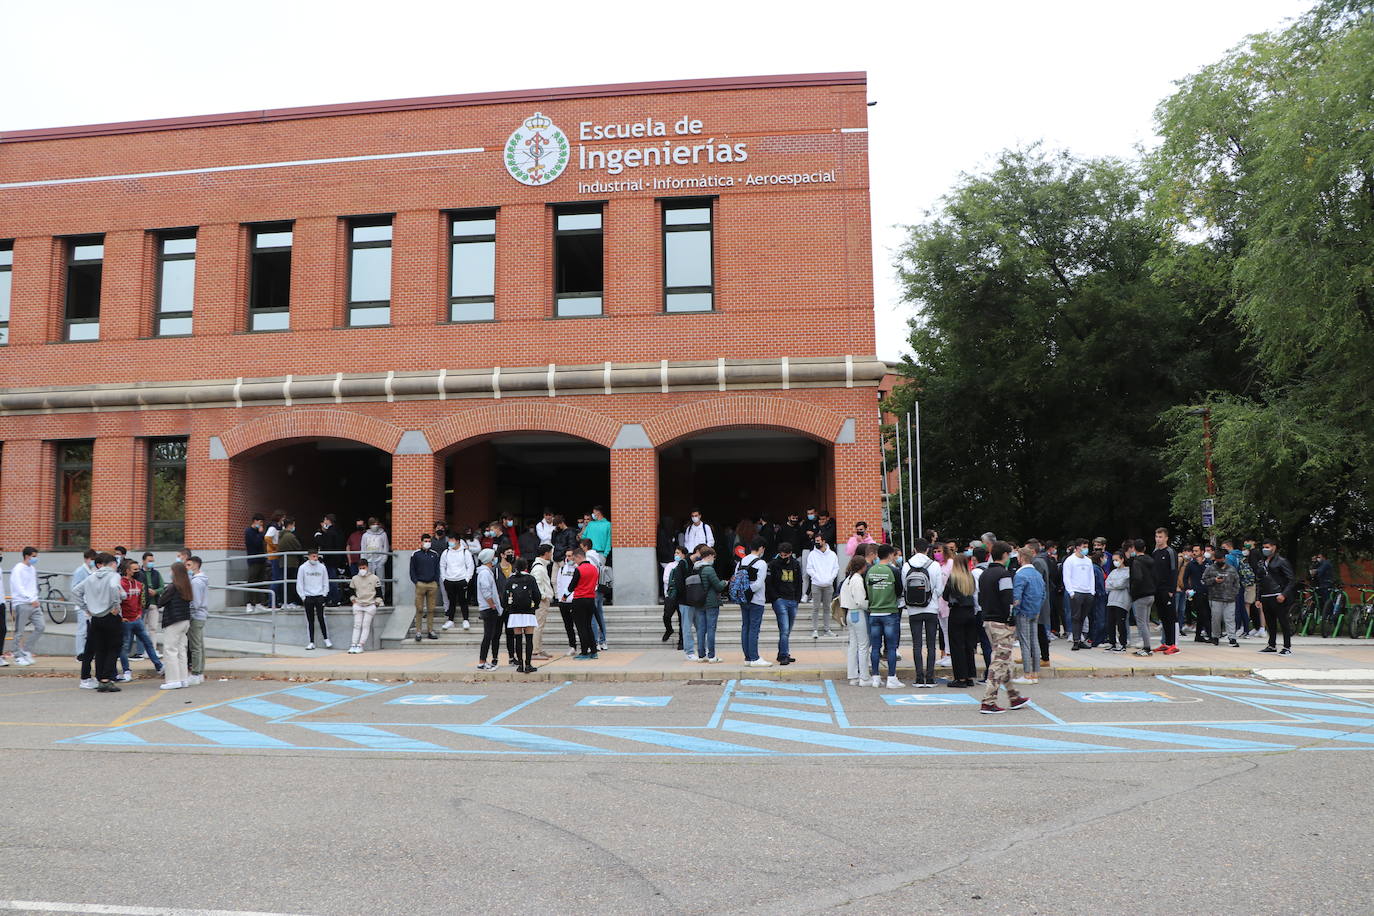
pixel 920 526
pixel 911 484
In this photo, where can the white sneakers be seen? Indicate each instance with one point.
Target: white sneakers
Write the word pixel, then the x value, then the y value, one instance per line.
pixel 172 685
pixel 466 624
pixel 193 680
pixel 448 624
pixel 877 681
pixel 893 682
pixel 716 661
pixel 691 657
pixel 355 650
pixel 854 682
pixel 1024 680
pixel 815 634
pixel 328 644
pixel 23 660
pixel 760 663
pixel 572 650
pixel 89 683
pixel 310 645
pixel 125 676
pixel 3 663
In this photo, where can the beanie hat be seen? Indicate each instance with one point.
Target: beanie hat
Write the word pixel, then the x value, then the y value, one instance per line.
pixel 486 556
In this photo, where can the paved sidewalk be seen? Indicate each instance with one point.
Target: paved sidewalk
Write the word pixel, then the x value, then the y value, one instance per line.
pixel 663 664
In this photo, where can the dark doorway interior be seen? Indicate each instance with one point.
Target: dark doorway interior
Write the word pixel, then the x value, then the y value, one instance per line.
pixel 739 473
pixel 524 473
pixel 310 479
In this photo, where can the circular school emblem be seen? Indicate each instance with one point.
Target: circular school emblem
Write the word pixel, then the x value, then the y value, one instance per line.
pixel 537 151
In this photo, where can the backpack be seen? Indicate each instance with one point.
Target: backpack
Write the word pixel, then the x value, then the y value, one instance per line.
pixel 742 583
pixel 521 596
pixel 916 591
pixel 693 591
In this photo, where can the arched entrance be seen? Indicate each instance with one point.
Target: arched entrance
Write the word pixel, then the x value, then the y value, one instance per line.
pixel 523 473
pixel 309 478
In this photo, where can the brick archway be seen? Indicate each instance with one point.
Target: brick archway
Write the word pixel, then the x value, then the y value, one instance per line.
pixel 521 416
pixel 744 412
pixel 278 427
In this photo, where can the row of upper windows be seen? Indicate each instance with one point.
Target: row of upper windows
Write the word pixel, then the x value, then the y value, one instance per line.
pixel 578 271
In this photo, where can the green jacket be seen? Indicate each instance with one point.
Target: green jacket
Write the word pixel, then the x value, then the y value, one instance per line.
pixel 881 580
pixel 287 540
pixel 711 582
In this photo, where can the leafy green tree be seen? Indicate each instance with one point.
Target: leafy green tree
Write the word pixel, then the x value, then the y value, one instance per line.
pixel 1045 350
pixel 1268 159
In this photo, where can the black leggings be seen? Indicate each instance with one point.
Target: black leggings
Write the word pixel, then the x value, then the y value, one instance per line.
pixel 1116 633
pixel 457 594
pixel 314 606
pixel 491 636
pixel 669 611
pixel 929 625
pixel 565 611
pixel 963 638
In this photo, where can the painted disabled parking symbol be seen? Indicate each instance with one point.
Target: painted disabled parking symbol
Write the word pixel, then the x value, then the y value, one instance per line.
pixel 623 701
pixel 1120 696
pixel 436 699
pixel 916 699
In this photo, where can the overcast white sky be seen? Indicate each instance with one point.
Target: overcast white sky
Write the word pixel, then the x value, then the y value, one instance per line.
pixel 954 82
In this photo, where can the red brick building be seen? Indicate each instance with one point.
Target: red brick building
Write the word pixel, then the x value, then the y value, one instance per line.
pixel 647 296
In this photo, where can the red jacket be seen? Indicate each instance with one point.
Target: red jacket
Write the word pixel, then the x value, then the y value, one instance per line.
pixel 131 608
pixel 584 580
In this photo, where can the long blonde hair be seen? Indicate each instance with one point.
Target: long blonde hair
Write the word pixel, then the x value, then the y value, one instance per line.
pixel 961 578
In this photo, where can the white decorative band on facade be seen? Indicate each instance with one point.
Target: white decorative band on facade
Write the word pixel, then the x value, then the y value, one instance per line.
pixel 659 376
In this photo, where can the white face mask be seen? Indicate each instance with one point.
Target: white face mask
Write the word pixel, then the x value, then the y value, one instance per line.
pixel 424 544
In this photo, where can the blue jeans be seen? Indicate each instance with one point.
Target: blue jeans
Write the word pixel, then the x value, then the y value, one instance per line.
pixel 785 610
pixel 704 618
pixel 599 622
pixel 884 628
pixel 134 629
pixel 688 615
pixel 751 622
pixel 1098 629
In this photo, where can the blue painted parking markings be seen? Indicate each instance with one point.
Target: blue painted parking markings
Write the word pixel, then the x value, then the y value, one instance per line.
pixel 621 701
pixel 760 718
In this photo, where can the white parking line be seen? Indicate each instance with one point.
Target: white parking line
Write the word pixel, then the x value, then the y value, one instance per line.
pixel 44 906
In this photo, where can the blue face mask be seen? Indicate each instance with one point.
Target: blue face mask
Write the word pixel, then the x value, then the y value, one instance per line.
pixel 811 517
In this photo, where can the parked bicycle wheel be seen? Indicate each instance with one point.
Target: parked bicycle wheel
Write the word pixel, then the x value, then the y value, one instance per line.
pixel 1334 616
pixel 54 602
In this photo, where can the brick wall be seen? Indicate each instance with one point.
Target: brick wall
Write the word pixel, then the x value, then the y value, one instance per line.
pixel 792 273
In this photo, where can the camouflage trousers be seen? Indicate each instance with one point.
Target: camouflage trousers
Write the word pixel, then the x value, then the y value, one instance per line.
pixel 999 672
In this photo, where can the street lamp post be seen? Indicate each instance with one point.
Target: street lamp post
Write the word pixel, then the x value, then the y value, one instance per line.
pixel 1210 477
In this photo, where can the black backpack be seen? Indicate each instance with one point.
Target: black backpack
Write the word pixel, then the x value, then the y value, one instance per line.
pixel 521 594
pixel 916 586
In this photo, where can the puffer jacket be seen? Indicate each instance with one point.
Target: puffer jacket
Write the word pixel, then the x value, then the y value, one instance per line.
pixel 175 608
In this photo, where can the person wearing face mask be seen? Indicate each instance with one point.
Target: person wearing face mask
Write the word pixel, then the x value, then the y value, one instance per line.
pixel 1222 584
pixel 424 574
pixel 1196 593
pixel 375 547
pixel 822 568
pixel 255 546
pixel 101 594
pixel 354 545
pixel 697 533
pixel 456 568
pixel 510 535
pixel 24 602
pixel 1081 587
pixel 1118 602
pixel 598 531
pixel 82 621
pixel 860 536
pixel 1277 589
pixel 329 541
pixel 826 528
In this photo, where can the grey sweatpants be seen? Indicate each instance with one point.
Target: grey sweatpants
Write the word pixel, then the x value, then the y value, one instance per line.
pixel 1027 632
pixel 25 615
pixel 821 596
pixel 1141 608
pixel 1223 615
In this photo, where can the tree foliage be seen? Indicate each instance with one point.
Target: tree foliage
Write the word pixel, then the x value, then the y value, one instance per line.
pixel 1268 155
pixel 1046 350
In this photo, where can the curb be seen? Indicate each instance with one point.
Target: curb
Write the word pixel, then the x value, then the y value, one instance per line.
pixel 791 673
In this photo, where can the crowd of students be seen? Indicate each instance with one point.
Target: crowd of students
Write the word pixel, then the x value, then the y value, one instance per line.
pixel 122 605
pixel 991 596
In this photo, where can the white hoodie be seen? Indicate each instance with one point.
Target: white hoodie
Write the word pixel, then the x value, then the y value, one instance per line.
pixel 456 564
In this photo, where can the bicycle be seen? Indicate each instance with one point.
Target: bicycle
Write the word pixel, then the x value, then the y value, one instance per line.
pixel 1362 615
pixel 1334 614
pixel 1304 614
pixel 52 599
